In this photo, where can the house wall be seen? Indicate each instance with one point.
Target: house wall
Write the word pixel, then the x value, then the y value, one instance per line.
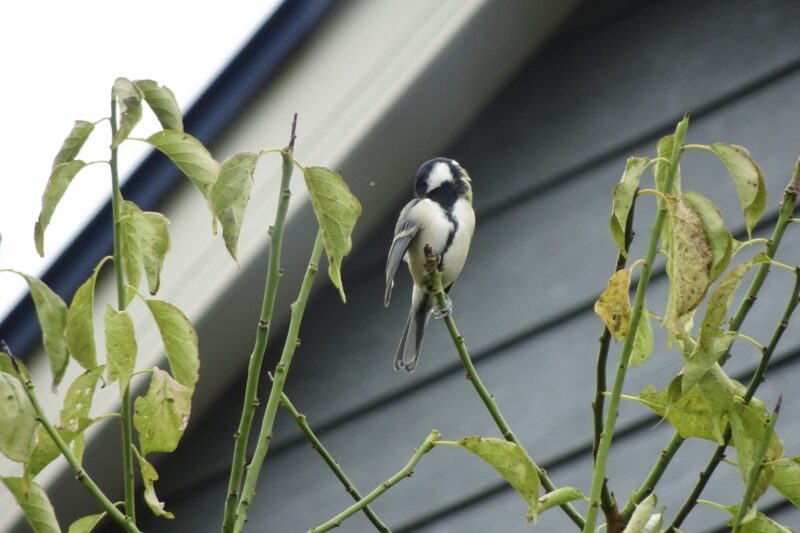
pixel 544 157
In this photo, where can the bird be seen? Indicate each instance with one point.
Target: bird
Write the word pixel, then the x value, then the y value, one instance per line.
pixel 439 217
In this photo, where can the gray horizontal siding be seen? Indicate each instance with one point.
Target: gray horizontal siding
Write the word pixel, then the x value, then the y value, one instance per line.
pixel 544 157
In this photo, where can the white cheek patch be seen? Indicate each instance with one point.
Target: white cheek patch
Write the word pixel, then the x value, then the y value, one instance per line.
pixel 439 174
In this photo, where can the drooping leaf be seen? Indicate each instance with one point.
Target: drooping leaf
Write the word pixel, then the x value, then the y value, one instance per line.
pixel 38 510
pixel 641 516
pixel 623 195
pixel 754 521
pixel 149 477
pixel 130 247
pixel 786 478
pixel 60 178
pixel 46 450
pixel 189 155
pixel 78 400
pixel 162 101
pixel 337 211
pixel 145 242
pixel 162 414
pixel 558 497
pixel 74 142
pixel 512 462
pixel 614 306
pixel 661 170
pixel 643 343
pixel 86 524
pixel 718 235
pixel 747 426
pixel 6 365
pixel 230 194
pixel 748 180
pixel 17 420
pixel 180 341
pixel 120 346
pixel 79 328
pixel 129 97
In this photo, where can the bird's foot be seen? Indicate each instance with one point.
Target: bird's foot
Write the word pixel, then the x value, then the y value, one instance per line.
pixel 443 312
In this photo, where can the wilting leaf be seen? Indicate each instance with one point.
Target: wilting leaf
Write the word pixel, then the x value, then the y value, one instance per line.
pixel 149 477
pixel 642 515
pixel 79 329
pixel 718 235
pixel 86 524
pixel 38 510
pixel 17 420
pixel 145 242
pixel 337 211
pixel 161 415
pixel 60 178
pixel 74 142
pixel 753 522
pixel 162 101
pixel 512 462
pixel 643 343
pixel 189 155
pixel 120 346
pixel 747 426
pixel 558 497
pixel 78 400
pixel 786 478
pixel 230 194
pixel 46 450
pixel 747 178
pixel 129 97
pixel 614 306
pixel 180 341
pixel 623 195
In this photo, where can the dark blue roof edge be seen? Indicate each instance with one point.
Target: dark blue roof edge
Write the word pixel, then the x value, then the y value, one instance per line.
pixel 216 109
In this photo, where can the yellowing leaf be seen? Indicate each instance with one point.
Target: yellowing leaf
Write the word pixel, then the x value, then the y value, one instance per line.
pixel 78 400
pixel 162 414
pixel 747 178
pixel 623 195
pixel 753 522
pixel 120 346
pixel 86 524
pixel 74 142
pixel 643 343
pixel 162 101
pixel 79 328
pixel 35 505
pixel 747 426
pixel 786 479
pixel 145 242
pixel 230 194
pixel 17 420
pixel 189 155
pixel 718 235
pixel 60 178
pixel 129 97
pixel 641 516
pixel 180 341
pixel 149 477
pixel 614 305
pixel 337 211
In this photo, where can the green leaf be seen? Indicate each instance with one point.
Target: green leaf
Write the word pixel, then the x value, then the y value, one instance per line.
pixel 162 101
pixel 337 211
pixel 558 497
pixel 623 195
pixel 747 426
pixel 786 478
pixel 718 235
pixel 230 194
pixel 120 346
pixel 38 510
pixel 189 155
pixel 754 521
pixel 614 306
pixel 46 450
pixel 641 516
pixel 512 462
pixel 180 341
pixel 747 178
pixel 162 414
pixel 60 178
pixel 149 477
pixel 74 142
pixel 129 97
pixel 78 400
pixel 661 170
pixel 6 365
pixel 643 343
pixel 52 314
pixel 145 242
pixel 79 328
pixel 17 420
pixel 86 524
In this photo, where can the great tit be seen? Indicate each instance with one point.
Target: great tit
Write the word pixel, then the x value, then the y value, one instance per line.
pixel 440 216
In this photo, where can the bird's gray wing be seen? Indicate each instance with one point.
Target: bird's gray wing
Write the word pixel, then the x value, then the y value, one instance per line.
pixel 404 232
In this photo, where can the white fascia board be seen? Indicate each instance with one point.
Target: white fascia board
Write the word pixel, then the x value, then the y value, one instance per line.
pixel 380 86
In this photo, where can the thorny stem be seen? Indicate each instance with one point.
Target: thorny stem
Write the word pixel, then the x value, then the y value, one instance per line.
pixel 607 435
pixel 126 522
pixel 242 435
pixel 405 472
pixel 127 411
pixel 435 279
pixel 282 368
pixel 302 423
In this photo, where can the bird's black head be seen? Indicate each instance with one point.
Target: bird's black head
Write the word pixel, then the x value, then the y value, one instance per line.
pixel 444 181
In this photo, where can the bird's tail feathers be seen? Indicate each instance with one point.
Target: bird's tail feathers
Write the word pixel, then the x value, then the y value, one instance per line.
pixel 411 342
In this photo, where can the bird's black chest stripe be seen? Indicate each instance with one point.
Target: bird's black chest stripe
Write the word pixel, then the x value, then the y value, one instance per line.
pixel 448 212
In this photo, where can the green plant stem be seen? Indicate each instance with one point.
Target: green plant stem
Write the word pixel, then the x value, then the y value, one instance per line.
pixel 752 481
pixel 127 411
pixel 281 370
pixel 302 423
pixel 755 381
pixel 242 435
pixel 406 471
pixel 599 473
pixel 126 522
pixel 665 457
pixel 435 279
